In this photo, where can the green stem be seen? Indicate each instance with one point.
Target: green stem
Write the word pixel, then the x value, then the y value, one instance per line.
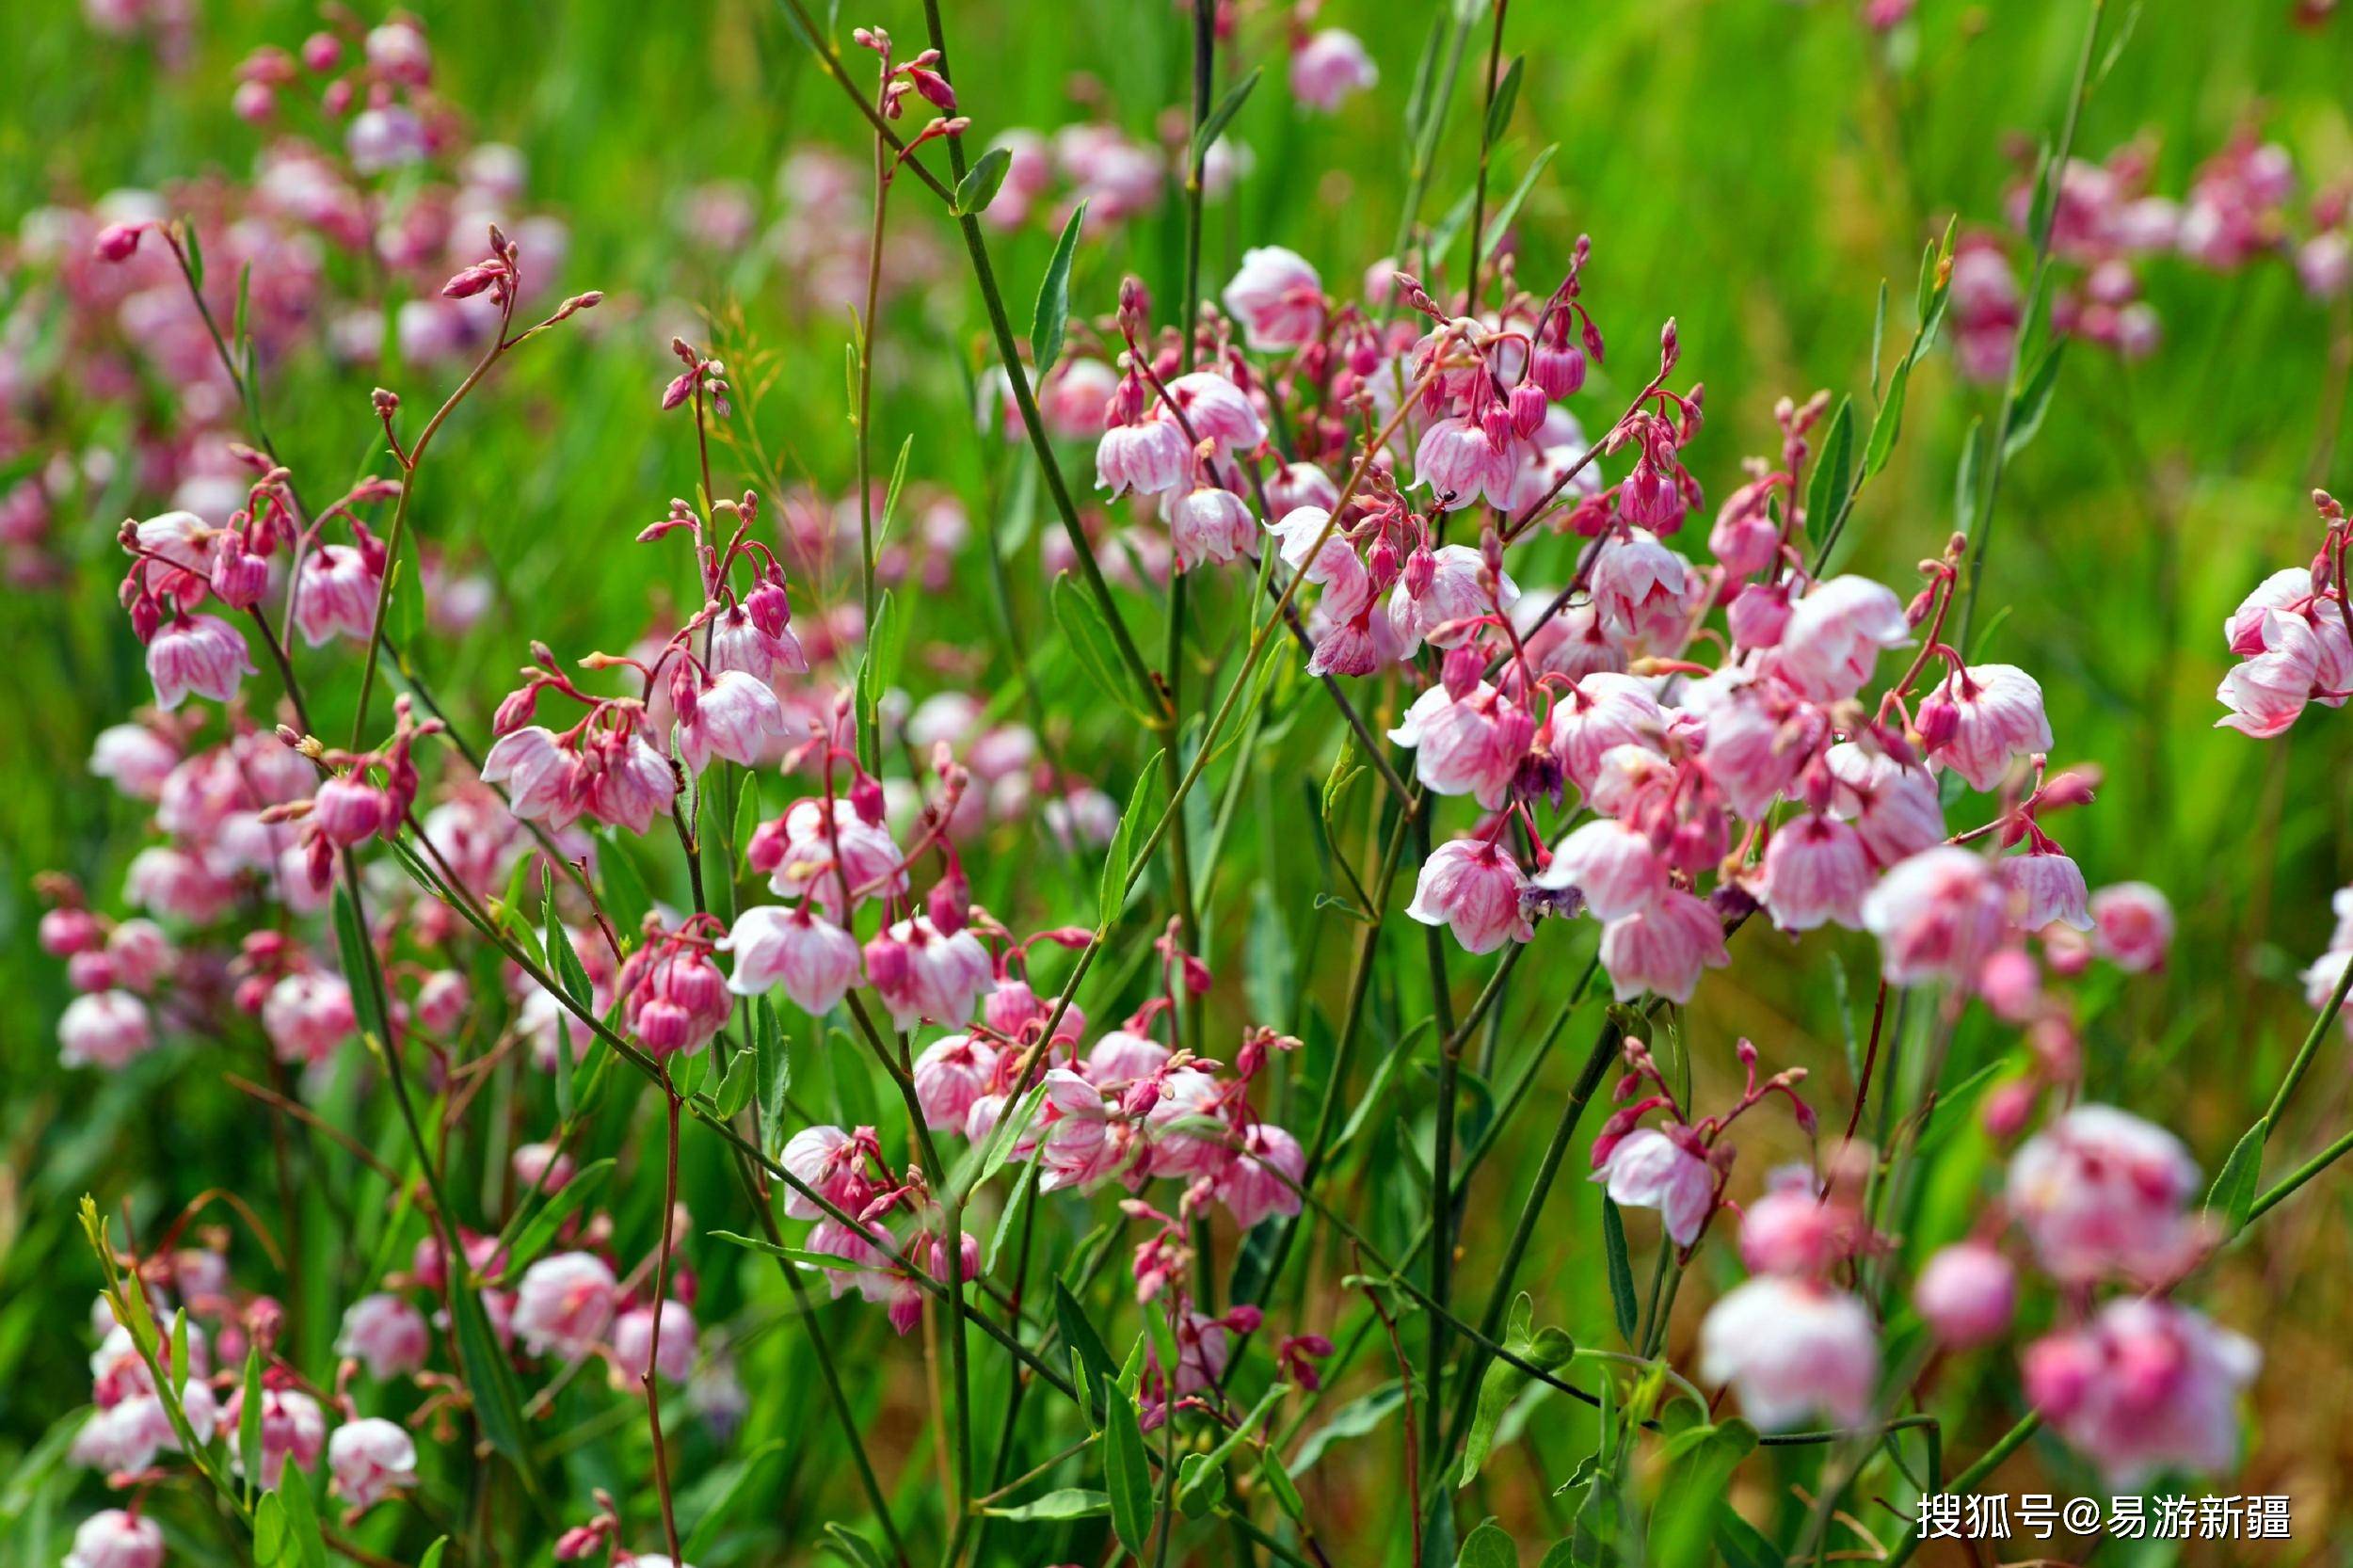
pixel 1998 456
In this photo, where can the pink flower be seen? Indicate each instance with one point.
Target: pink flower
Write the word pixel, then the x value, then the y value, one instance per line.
pixel 1277 298
pixel 175 885
pixel 814 960
pixel 385 1333
pixel 306 1015
pixel 1347 586
pixel 1122 1057
pixel 135 758
pixel 1461 465
pixel 2100 1191
pixel 740 641
pixel 2146 1386
pixel 832 1163
pixel 860 1252
pixel 1663 949
pixel 105 1029
pixel 2048 887
pixel 1075 1147
pixel 112 1539
pixel 1329 66
pixel 2132 925
pixel 335 592
pixel 1149 457
pixel 1471 745
pixel 1650 1169
pixel 564 1304
pixel 348 809
pixel 1758 740
pixel 810 859
pixel 1967 1294
pixel 1615 867
pixel 1794 1230
pixel 941 978
pixel 1218 411
pixel 1792 1349
pixel 1473 887
pixel 949 1076
pixel 1833 636
pixel 1210 525
pixel 2000 719
pixel 1249 1185
pixel 1816 870
pixel 1893 806
pixel 1938 916
pixel 1603 710
pixel 2293 658
pixel 1452 597
pixel 292 1428
pixel 737 716
pixel 625 783
pixel 202 654
pixel 633 1348
pixel 370 1458
pixel 1645 590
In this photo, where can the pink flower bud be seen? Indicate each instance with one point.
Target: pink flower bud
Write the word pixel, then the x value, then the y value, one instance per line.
pixel 1967 1294
pixel 116 241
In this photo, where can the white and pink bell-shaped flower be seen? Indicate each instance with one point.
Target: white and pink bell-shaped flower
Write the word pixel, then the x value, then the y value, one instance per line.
pixel 370 1459
pixel 814 960
pixel 1794 1349
pixel 564 1304
pixel 1473 887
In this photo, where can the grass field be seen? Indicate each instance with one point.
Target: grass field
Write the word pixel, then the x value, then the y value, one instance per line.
pixel 1753 169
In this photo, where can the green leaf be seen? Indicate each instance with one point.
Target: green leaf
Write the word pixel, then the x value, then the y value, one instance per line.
pixel 1127 1476
pixel 1834 465
pixel 791 1254
pixel 1888 421
pixel 1501 224
pixel 1545 1348
pixel 1200 1484
pixel 1089 636
pixel 306 1546
pixel 1358 1417
pixel 1070 1502
pixel 1119 859
pixel 492 1381
pixel 1879 335
pixel 357 956
pixel 1222 116
pixel 1966 480
pixel 1507 98
pixel 1053 297
pixel 1278 1481
pixel 853 1548
pixel 531 1239
pixel 1700 1463
pixel 1740 1544
pixel 978 187
pixel 1620 1269
pixel 1078 1332
pixel 1488 1546
pixel 2033 401
pixel 1009 1220
pixel 737 1087
pixel 739 1480
pixel 433 1554
pixel 249 1419
pixel 774 1064
pixel 179 1350
pixel 2233 1191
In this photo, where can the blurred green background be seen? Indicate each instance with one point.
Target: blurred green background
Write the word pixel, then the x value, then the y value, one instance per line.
pixel 1752 168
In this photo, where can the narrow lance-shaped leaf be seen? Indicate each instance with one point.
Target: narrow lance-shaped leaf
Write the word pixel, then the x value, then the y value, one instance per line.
pixel 1053 297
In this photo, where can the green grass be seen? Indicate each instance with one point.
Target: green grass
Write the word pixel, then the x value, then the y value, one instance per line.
pixel 1746 167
